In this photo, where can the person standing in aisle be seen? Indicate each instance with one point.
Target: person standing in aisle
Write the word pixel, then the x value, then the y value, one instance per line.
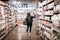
pixel 29 20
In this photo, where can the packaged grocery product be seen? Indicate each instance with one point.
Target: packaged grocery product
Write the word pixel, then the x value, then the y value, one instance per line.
pixel 58 7
pixel 55 20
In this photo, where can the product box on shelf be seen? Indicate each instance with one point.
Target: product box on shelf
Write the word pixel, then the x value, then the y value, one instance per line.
pixel 57 7
pixel 54 9
pixel 51 5
pixel 59 17
pixel 49 12
pixel 47 18
pixel 39 13
pixel 47 34
pixel 56 1
pixel 40 4
pixel 44 2
pixel 46 7
pixel 48 29
pixel 7 19
pixel 41 9
pixel 41 17
pixel 0 16
pixel 50 0
pixel 7 27
pixel 55 21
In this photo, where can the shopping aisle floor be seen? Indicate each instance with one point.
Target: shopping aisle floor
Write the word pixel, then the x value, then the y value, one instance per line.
pixel 19 33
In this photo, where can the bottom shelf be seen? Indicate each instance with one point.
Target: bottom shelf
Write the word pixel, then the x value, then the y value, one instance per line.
pixel 5 34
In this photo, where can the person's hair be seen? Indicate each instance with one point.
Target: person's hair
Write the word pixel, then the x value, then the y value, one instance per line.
pixel 28 14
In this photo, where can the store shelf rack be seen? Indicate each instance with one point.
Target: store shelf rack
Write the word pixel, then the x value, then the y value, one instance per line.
pixel 7 20
pixel 43 23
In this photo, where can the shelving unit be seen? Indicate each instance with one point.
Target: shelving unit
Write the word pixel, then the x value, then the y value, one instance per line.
pixel 47 19
pixel 7 20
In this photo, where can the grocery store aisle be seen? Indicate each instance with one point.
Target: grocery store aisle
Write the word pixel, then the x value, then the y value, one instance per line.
pixel 19 33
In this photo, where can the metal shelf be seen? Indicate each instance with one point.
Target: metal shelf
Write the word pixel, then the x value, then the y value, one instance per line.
pixel 57 30
pixel 3 36
pixel 46 20
pixel 48 9
pixel 47 4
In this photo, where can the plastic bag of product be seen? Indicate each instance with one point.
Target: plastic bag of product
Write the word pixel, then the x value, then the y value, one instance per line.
pixel 55 20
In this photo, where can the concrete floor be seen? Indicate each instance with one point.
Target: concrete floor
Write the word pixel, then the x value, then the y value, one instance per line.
pixel 19 33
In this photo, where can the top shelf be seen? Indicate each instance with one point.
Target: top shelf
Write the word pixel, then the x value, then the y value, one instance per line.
pixel 47 4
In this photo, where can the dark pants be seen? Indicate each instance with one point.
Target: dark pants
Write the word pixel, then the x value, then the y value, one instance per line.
pixel 29 26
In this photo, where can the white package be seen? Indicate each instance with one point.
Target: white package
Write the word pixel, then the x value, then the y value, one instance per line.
pixel 50 12
pixel 59 17
pixel 47 18
pixel 51 5
pixel 55 20
pixel 58 7
pixel 39 13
